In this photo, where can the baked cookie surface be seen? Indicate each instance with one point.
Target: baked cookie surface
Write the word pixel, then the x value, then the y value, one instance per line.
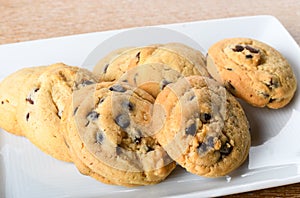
pixel 151 77
pixel 177 56
pixel 110 132
pixel 252 71
pixel 204 128
pixel 10 91
pixel 41 105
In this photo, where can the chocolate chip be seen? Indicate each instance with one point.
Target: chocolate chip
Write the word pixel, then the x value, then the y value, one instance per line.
pixel 266 95
pixel 75 111
pixel 118 150
pixel 191 130
pixel 117 88
pixel 99 137
pixel 101 100
pixel 251 49
pixel 272 100
pixel 238 48
pixel 164 83
pixel 92 116
pixel 27 116
pixel 128 105
pixel 105 68
pixel 138 56
pixel 135 78
pixel 36 90
pixel 205 117
pixel 2 102
pixel 192 97
pixel 229 69
pixel 249 56
pixel 29 100
pixel 274 83
pixel 137 140
pixel 87 82
pixel 202 147
pixel 210 141
pixel 149 149
pixel 122 120
pixel 230 86
pixel 226 148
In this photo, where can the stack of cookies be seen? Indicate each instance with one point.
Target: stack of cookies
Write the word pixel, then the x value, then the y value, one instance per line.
pixel 144 110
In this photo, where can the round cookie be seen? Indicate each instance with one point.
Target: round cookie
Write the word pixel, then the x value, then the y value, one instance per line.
pixel 205 129
pixel 41 106
pixel 252 71
pixel 179 57
pixel 10 88
pixel 110 131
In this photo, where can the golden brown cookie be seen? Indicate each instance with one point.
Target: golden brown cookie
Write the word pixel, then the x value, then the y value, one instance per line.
pixel 205 129
pixel 41 106
pixel 252 71
pixel 110 133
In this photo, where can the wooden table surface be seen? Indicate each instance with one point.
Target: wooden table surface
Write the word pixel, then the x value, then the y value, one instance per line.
pixel 23 20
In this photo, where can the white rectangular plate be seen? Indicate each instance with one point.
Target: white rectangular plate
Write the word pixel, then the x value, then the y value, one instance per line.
pixel 274 157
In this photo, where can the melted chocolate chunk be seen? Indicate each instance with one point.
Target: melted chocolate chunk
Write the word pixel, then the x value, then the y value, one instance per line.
pixel 29 100
pixel 105 68
pixel 238 48
pixel 118 150
pixel 274 83
pixel 135 78
pixel 205 117
pixel 27 116
pixel 251 49
pixel 191 130
pixel 272 100
pixel 149 149
pixel 137 140
pixel 266 95
pixel 226 149
pixel 138 56
pixel 202 148
pixel 117 88
pixel 128 105
pixel 101 100
pixel 192 97
pixel 122 120
pixel 75 110
pixel 99 137
pixel 210 141
pixel 87 82
pixel 92 116
pixel 164 83
pixel 249 56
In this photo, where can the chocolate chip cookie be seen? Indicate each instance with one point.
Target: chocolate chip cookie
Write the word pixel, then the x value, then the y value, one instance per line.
pixel 205 129
pixel 252 71
pixel 10 89
pixel 41 105
pixel 109 127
